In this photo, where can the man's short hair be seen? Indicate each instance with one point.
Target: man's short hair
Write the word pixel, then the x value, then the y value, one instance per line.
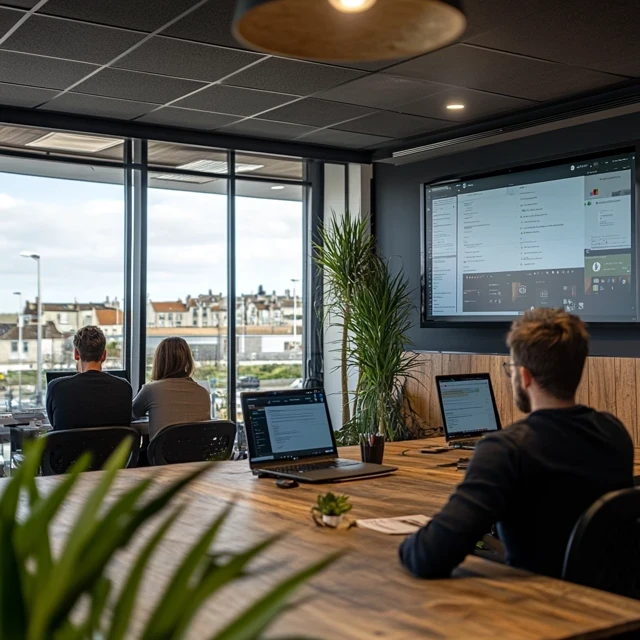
pixel 553 345
pixel 90 343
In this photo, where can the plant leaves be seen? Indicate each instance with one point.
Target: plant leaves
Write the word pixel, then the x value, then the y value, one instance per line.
pixel 254 620
pixel 125 605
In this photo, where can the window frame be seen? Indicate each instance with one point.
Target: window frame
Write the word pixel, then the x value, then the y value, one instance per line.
pixel 136 169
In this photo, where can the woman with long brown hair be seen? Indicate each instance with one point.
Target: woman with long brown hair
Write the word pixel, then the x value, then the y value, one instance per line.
pixel 172 396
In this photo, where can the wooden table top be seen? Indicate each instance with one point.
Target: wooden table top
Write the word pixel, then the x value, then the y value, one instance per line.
pixel 366 594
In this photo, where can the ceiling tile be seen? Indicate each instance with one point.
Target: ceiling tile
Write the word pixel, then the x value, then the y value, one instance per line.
pixel 8 18
pixel 240 102
pixel 335 138
pixel 71 40
pixel 140 87
pixel 586 33
pixel 477 104
pixel 484 15
pixel 28 97
pixel 292 76
pixel 182 59
pixel 98 106
pixel 39 71
pixel 392 125
pixel 316 113
pixel 382 91
pixel 512 75
pixel 142 16
pixel 267 129
pixel 211 23
pixel 23 4
pixel 189 118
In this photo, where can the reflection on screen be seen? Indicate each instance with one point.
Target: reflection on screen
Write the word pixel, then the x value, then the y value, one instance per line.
pixel 467 406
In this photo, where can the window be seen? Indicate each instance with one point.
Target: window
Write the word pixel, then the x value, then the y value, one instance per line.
pixel 66 223
pixel 187 264
pixel 269 262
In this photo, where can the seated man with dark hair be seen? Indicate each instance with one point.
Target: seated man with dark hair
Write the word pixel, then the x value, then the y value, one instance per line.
pixel 91 398
pixel 537 477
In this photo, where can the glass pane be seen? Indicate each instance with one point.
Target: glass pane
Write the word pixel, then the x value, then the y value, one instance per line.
pixel 269 309
pixel 269 166
pixel 69 221
pixel 61 143
pixel 187 276
pixel 187 157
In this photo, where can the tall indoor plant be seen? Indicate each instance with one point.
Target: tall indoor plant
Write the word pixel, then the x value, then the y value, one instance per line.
pixel 375 311
pixel 68 594
pixel 344 253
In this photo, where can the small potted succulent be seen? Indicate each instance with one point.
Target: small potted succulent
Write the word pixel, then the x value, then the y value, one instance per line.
pixel 332 508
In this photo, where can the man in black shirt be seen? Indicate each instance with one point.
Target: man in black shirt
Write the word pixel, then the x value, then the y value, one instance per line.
pixel 91 398
pixel 537 477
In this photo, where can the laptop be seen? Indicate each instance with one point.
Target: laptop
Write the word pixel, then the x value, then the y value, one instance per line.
pixel 468 408
pixel 289 435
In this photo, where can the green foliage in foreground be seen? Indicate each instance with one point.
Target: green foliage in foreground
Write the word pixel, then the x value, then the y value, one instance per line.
pixel 40 592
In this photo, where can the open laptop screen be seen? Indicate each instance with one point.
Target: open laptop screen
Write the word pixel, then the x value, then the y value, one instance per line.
pixel 468 406
pixel 287 425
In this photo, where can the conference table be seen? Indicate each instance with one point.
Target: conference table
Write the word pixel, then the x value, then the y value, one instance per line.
pixel 366 594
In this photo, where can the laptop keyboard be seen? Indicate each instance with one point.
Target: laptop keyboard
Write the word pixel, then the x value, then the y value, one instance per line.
pixel 464 443
pixel 314 466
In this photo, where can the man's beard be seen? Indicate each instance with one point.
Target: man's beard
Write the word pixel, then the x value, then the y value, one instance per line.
pixel 522 399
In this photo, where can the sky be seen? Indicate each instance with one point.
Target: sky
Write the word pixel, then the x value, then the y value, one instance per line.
pixel 78 230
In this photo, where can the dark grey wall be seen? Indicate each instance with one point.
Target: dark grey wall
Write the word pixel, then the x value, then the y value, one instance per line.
pixel 397 213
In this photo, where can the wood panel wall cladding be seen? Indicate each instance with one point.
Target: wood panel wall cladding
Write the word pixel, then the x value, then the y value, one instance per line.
pixel 608 384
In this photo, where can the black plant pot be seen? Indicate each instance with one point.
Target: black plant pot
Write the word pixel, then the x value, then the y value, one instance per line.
pixel 372 447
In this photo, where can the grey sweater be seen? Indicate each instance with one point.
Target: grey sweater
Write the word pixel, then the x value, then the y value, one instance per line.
pixel 172 401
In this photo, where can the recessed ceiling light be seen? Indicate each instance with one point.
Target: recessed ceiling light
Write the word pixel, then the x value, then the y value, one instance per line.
pixel 77 143
pixel 277 187
pixel 218 166
pixel 352 6
pixel 455 106
pixel 178 177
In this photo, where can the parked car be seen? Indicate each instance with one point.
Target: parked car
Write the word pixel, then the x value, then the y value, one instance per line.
pixel 248 382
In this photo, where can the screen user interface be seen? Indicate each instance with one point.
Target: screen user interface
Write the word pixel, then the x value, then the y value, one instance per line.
pixel 556 236
pixel 467 406
pixel 288 426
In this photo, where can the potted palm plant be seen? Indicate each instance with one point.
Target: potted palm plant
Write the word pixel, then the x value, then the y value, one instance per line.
pixel 375 311
pixel 343 252
pixel 68 594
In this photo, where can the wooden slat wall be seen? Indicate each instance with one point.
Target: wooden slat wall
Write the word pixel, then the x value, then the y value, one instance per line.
pixel 608 384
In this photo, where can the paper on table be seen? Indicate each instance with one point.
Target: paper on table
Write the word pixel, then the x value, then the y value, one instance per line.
pixel 400 526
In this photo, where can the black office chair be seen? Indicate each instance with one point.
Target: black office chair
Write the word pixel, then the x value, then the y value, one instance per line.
pixel 63 448
pixel 193 442
pixel 604 547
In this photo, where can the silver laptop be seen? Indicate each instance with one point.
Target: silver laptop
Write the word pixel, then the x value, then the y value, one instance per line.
pixel 290 436
pixel 468 407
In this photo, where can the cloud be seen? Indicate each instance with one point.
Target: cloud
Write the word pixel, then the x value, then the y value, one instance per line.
pixel 78 229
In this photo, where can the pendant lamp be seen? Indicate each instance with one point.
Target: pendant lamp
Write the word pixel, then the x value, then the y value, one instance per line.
pixel 348 30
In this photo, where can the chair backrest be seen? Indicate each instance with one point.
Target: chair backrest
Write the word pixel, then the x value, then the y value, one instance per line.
pixel 604 547
pixel 193 442
pixel 63 448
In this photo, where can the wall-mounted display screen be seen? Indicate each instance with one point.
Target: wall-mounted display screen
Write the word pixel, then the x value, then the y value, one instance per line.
pixel 560 235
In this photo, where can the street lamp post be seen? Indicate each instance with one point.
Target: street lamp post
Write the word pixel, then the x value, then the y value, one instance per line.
pixel 295 307
pixel 20 347
pixel 36 257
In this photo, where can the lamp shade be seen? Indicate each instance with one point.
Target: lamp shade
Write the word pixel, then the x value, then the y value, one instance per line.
pixel 319 30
